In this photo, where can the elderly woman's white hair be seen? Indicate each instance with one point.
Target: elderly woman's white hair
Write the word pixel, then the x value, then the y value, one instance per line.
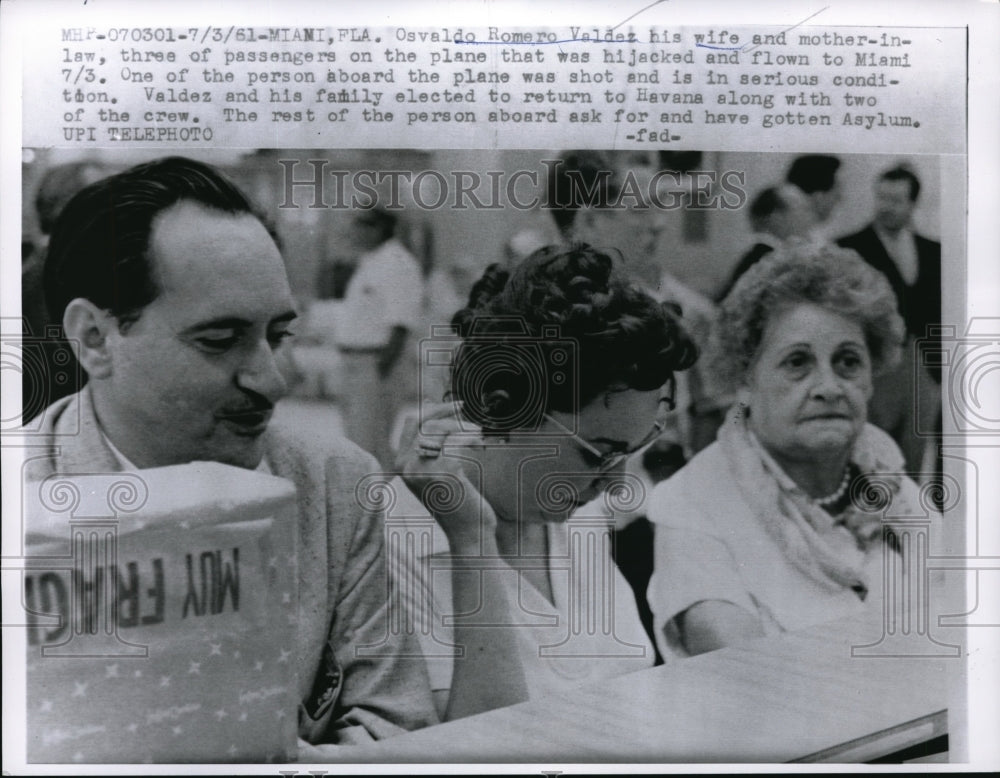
pixel 833 278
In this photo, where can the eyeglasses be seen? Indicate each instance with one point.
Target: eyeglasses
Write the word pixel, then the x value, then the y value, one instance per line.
pixel 609 460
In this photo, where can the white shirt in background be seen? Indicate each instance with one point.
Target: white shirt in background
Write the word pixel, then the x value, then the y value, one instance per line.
pixel 385 291
pixel 902 249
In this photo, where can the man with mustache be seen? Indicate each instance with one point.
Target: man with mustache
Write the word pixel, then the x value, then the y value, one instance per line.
pixel 174 296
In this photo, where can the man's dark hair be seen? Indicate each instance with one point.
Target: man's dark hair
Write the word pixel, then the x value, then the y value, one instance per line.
pixel 381 219
pixel 769 202
pixel 903 173
pixel 577 180
pixel 99 248
pixel 58 186
pixel 813 172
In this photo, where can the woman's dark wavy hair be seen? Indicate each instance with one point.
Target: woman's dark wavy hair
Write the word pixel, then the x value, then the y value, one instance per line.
pixel 556 332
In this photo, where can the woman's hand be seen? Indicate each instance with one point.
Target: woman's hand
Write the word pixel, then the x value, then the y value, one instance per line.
pixel 438 462
pixel 442 481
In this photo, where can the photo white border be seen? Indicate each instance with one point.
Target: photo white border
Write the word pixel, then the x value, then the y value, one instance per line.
pixel 19 32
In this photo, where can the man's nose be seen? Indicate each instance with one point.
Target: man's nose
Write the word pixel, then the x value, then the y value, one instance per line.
pixel 260 373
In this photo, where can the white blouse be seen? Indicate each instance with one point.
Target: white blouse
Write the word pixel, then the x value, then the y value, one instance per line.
pixel 709 545
pixel 591 631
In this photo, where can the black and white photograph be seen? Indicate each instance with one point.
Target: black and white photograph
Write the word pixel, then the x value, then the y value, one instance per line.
pixel 522 393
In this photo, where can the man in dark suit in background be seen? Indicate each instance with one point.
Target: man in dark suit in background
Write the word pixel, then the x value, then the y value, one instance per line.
pixel 912 264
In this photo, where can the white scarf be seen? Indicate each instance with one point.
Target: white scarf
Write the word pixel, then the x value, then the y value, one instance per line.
pixel 801 528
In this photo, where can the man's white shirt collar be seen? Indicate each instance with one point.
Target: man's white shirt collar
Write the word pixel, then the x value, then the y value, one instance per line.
pixel 902 249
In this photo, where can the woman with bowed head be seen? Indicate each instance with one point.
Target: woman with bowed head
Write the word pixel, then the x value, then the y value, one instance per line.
pixel 561 371
pixel 774 527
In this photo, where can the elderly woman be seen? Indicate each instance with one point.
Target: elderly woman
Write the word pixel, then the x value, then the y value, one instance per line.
pixel 563 370
pixel 759 533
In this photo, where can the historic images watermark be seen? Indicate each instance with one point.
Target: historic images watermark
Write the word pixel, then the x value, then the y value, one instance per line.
pixel 313 185
pixel 40 362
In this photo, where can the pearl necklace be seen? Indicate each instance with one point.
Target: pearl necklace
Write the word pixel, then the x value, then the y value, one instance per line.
pixel 833 499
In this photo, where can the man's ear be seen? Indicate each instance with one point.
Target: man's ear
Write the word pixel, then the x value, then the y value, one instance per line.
pixel 87 328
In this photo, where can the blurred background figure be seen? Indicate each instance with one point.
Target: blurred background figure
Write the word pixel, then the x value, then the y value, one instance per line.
pixel 52 377
pixel 585 187
pixel 332 277
pixel 912 265
pixel 778 215
pixel 447 290
pixel 380 312
pixel 816 176
pixel 445 293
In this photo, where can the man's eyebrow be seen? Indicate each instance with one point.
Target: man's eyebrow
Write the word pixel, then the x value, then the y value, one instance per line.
pixel 236 323
pixel 224 323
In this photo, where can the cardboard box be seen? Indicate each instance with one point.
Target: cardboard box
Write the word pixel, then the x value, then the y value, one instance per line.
pixel 163 604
